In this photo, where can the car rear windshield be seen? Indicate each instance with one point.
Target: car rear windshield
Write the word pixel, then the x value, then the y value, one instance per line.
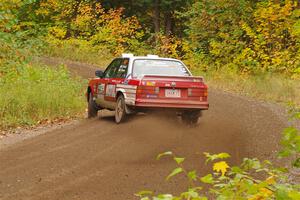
pixel 143 67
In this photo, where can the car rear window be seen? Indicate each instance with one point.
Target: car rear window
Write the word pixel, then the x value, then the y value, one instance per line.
pixel 143 67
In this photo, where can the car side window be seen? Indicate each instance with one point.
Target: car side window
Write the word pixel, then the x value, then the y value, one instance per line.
pixel 122 70
pixel 112 68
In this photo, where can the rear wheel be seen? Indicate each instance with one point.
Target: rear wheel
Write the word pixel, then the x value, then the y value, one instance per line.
pixel 120 113
pixel 92 107
pixel 191 117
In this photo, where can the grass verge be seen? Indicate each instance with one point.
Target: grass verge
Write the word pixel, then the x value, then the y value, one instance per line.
pixel 32 93
pixel 39 93
pixel 268 87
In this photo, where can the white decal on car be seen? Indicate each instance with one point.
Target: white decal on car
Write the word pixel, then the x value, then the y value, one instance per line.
pixel 100 88
pixel 110 90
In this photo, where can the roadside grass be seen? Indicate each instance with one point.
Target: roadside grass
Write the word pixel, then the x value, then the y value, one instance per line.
pixel 38 92
pixel 268 87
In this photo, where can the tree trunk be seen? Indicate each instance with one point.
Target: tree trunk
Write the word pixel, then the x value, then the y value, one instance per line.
pixel 71 17
pixel 156 16
pixel 168 23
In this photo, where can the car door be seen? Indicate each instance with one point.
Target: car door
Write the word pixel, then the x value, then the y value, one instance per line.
pixel 104 88
pixel 117 77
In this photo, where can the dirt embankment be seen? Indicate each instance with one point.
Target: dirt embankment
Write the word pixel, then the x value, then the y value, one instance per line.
pixel 97 159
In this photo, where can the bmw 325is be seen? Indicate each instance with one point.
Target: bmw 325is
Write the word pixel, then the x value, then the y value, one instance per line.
pixel 139 83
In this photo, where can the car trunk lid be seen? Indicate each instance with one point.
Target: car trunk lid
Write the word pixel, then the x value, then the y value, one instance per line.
pixel 173 87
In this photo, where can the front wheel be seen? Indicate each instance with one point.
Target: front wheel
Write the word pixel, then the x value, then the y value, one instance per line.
pixel 120 113
pixel 191 117
pixel 92 107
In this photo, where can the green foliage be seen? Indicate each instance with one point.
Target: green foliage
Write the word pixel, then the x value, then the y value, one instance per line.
pixel 215 156
pixel 176 171
pixel 167 153
pixel 246 37
pixel 8 12
pixel 291 140
pixel 88 22
pixel 207 179
pixel 236 182
pixel 271 38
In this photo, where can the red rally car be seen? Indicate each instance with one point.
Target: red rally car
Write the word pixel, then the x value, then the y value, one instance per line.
pixel 134 83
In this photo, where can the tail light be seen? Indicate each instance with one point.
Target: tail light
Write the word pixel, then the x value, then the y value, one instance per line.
pixel 147 90
pixel 139 90
pixel 205 91
pixel 198 92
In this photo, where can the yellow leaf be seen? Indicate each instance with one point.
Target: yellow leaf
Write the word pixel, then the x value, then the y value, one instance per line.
pixel 271 180
pixel 221 166
pixel 265 192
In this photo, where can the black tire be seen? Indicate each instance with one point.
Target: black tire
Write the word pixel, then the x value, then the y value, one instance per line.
pixel 92 107
pixel 191 117
pixel 120 111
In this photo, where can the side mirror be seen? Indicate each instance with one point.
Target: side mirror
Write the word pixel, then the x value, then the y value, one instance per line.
pixel 99 73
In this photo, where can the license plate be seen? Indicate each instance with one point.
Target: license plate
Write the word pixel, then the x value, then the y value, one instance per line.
pixel 173 93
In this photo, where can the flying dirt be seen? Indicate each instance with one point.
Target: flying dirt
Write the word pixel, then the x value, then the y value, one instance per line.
pixel 97 159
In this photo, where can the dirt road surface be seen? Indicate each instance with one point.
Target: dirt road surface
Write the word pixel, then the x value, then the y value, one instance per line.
pixel 99 160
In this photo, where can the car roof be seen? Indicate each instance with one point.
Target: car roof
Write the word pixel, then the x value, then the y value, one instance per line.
pixel 131 58
pixel 152 58
pixel 148 57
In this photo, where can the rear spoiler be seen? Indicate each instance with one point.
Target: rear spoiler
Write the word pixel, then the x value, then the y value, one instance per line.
pixel 177 78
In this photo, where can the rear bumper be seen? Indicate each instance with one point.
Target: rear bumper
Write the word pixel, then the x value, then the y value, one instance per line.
pixel 158 103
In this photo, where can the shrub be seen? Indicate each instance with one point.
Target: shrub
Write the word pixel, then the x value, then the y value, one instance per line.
pixel 291 139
